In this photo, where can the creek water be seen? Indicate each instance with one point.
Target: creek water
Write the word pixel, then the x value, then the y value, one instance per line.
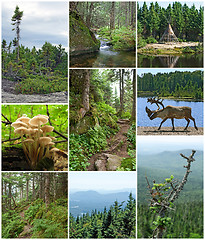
pixel 105 57
pixel 144 121
pixel 186 60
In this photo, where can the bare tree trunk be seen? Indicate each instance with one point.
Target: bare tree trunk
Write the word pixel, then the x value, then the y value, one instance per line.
pixel 133 15
pixel 54 186
pixel 112 16
pixel 47 189
pixel 86 91
pixel 134 95
pixel 34 192
pixel 89 15
pixel 27 187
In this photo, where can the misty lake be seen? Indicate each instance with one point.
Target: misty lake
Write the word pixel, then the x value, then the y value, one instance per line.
pixel 144 121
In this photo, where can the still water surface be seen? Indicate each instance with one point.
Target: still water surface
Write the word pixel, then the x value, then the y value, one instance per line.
pixel 144 121
pixel 187 60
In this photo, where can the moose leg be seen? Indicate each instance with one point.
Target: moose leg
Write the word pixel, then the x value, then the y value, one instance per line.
pixel 172 124
pixel 188 121
pixel 165 119
pixel 193 119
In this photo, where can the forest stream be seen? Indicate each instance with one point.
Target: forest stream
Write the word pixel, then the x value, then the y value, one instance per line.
pixel 9 95
pixel 105 57
pixel 111 158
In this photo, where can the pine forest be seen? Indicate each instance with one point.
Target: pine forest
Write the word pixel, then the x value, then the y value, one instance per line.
pixel 34 205
pixel 33 71
pixel 116 222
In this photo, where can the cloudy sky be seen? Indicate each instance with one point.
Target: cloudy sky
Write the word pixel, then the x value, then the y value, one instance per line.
pixel 102 180
pixel 42 21
pixel 157 144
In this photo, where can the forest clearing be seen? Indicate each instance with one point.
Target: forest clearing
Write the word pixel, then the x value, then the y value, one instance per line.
pixel 102 34
pixel 32 71
pixel 42 144
pixel 102 120
pixel 34 205
pixel 170 36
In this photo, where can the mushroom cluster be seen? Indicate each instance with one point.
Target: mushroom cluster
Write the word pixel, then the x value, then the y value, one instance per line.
pixel 36 145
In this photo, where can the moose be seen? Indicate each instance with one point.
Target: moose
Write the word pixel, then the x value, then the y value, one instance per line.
pixel 169 112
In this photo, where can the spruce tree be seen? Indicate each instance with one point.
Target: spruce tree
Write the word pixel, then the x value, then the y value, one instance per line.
pixel 16 21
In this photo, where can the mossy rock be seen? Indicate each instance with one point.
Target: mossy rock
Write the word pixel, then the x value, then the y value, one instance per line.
pixel 113 162
pixel 83 125
pixel 82 40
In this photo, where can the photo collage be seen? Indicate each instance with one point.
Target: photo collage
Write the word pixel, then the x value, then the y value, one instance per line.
pixel 102 119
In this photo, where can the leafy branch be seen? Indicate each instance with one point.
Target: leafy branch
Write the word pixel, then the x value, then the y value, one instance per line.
pixel 164 194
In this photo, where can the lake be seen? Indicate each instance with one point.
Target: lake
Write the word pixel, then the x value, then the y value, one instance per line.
pixel 144 121
pixel 187 60
pixel 105 57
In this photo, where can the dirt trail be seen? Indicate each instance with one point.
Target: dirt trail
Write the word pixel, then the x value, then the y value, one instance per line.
pixel 117 146
pixel 27 228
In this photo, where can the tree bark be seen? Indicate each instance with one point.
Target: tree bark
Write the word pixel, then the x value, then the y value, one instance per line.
pixel 134 95
pixel 47 189
pixel 112 16
pixel 86 92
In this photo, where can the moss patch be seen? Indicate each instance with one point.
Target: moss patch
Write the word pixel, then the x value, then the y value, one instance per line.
pixel 82 40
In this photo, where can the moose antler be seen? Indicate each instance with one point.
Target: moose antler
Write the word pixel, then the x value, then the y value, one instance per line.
pixel 157 101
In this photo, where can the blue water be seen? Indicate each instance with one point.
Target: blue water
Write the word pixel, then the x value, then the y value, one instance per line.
pixel 144 121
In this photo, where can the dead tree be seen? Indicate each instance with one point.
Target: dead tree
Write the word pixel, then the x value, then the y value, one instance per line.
pixel 164 194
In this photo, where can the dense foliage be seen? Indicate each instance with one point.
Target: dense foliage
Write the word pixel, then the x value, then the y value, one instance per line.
pixel 114 21
pixel 186 221
pixel 34 205
pixel 116 222
pixel 174 84
pixel 187 22
pixel 91 126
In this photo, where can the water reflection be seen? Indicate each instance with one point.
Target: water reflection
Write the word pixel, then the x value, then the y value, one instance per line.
pixel 188 60
pixel 169 61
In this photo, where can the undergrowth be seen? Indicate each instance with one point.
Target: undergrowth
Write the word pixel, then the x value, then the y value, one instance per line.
pixel 83 146
pixel 42 85
pixel 47 222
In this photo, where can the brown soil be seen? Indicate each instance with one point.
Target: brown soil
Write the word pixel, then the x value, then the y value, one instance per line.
pixel 117 145
pixel 27 228
pixel 168 131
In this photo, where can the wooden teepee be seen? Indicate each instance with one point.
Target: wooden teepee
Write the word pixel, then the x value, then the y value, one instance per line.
pixel 168 35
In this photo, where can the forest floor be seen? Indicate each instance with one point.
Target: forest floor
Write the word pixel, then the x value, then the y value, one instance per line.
pixel 168 131
pixel 10 96
pixel 117 146
pixel 27 228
